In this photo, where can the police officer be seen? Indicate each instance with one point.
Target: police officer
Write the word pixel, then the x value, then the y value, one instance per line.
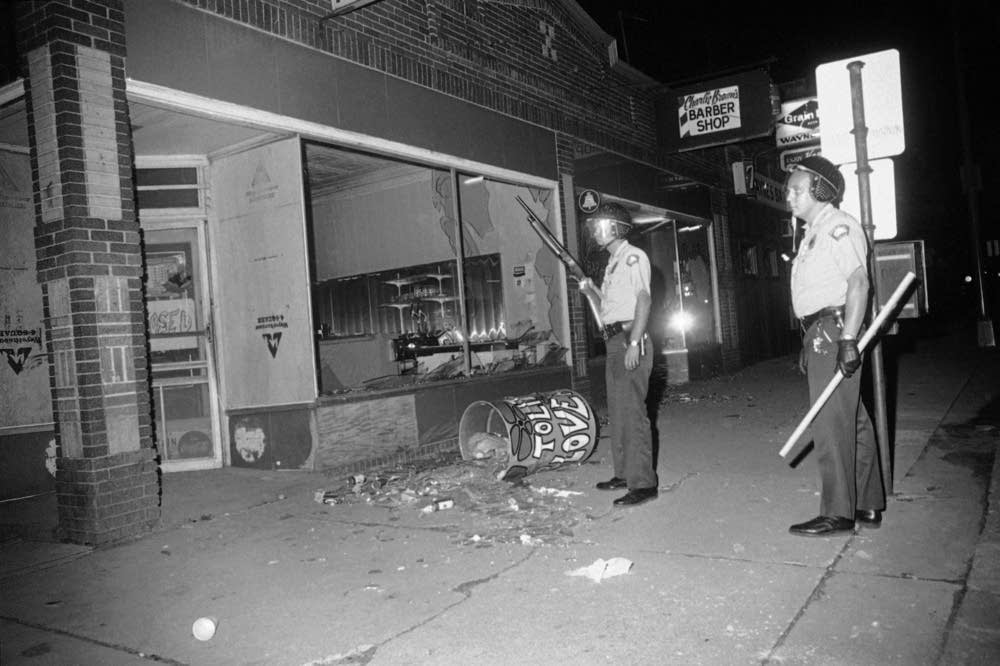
pixel 830 295
pixel 624 303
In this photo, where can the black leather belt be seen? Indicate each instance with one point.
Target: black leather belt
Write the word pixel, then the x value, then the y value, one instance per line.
pixel 617 327
pixel 836 312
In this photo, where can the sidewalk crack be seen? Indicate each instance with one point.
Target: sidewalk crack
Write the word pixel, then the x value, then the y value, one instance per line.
pixel 815 595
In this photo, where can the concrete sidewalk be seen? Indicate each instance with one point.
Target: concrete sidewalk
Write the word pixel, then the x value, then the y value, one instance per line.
pixel 715 578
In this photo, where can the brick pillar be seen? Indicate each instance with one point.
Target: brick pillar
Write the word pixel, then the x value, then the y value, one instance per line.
pixel 90 266
pixel 565 155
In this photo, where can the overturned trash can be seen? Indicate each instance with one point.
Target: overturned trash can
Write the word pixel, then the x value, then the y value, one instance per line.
pixel 529 433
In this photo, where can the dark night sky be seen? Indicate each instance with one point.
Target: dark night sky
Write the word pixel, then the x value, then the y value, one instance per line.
pixel 674 41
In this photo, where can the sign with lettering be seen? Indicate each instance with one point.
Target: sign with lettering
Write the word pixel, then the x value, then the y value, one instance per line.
pixel 710 111
pixel 723 110
pixel 799 123
pixel 170 316
pixel 789 158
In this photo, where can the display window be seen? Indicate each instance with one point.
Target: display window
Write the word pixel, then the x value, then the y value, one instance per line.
pixel 424 274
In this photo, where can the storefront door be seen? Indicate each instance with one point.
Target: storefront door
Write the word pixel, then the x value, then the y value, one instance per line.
pixel 185 412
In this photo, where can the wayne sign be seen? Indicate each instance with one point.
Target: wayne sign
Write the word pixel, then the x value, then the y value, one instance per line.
pixel 799 123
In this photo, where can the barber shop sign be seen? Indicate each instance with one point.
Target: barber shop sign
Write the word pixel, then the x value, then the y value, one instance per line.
pixel 710 111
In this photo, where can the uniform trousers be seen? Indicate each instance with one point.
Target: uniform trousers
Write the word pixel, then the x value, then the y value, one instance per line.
pixel 631 437
pixel 847 454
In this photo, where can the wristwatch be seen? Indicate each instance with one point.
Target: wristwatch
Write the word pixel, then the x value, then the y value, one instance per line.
pixel 633 343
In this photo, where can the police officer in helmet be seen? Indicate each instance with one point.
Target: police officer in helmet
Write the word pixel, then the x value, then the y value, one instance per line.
pixel 624 303
pixel 830 290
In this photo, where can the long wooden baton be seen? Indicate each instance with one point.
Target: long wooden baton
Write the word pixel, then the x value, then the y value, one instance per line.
pixel 880 319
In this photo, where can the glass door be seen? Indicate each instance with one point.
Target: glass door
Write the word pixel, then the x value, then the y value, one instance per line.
pixel 180 340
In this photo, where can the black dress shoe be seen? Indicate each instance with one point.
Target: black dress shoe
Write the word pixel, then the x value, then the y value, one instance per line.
pixel 870 517
pixel 823 526
pixel 637 496
pixel 614 483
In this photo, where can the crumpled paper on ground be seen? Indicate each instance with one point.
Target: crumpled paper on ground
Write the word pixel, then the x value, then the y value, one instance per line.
pixel 601 569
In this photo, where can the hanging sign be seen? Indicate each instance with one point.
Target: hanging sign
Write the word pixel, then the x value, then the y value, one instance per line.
pixel 799 123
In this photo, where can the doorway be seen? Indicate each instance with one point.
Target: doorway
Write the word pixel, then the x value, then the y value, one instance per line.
pixel 185 398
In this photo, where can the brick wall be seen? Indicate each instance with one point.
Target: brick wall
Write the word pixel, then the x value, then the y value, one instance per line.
pixel 536 60
pixel 89 263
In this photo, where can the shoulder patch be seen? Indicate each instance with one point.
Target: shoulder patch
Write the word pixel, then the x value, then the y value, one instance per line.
pixel 632 260
pixel 839 231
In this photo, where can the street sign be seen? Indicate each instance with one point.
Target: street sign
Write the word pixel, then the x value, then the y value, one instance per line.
pixel 882 181
pixel 883 105
pixel 789 158
pixel 799 123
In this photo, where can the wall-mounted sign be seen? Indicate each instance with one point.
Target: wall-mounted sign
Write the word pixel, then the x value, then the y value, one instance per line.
pixel 724 110
pixel 799 123
pixel 748 182
pixel 588 201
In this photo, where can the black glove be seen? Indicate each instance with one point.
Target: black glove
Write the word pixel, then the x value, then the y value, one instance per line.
pixel 848 356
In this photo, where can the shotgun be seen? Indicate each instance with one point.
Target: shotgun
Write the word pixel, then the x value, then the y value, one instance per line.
pixel 572 265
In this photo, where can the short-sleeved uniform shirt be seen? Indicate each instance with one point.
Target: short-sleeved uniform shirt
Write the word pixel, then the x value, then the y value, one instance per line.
pixel 833 247
pixel 625 277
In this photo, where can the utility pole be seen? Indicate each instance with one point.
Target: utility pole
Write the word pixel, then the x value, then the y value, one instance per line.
pixel 971 185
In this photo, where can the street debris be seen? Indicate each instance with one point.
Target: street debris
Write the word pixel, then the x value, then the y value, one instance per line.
pixel 504 511
pixel 204 628
pixel 601 569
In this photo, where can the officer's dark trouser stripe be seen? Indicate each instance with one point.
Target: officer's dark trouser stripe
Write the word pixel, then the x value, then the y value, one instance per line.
pixel 631 438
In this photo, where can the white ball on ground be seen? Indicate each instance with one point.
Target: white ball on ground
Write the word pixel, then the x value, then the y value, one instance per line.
pixel 203 628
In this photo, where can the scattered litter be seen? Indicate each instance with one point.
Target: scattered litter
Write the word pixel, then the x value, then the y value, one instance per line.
pixel 528 540
pixel 556 492
pixel 327 497
pixel 487 445
pixel 863 554
pixel 439 505
pixel 602 569
pixel 271 563
pixel 503 510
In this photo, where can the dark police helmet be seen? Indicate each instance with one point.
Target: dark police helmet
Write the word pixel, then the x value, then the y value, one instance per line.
pixel 826 181
pixel 612 212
